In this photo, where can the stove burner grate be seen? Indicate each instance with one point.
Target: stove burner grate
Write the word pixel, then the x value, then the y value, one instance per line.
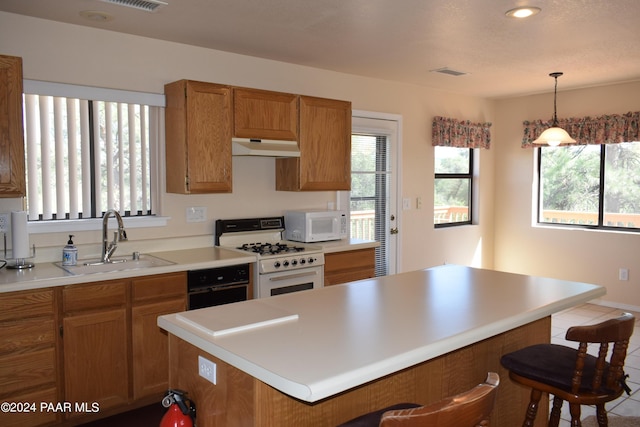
pixel 270 248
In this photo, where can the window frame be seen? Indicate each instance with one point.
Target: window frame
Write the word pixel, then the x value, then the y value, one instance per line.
pixel 601 195
pixel 156 154
pixel 469 176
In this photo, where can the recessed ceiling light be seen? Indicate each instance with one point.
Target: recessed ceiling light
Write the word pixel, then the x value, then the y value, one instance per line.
pixel 96 15
pixel 522 12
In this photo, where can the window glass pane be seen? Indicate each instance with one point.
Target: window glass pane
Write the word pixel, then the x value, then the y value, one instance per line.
pixel 451 160
pixel 452 197
pixel 570 184
pixel 363 153
pixel 622 185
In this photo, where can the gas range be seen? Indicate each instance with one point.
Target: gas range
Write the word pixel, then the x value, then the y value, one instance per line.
pixel 263 238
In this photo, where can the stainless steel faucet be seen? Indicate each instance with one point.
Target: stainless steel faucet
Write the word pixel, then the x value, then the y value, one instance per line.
pixel 108 248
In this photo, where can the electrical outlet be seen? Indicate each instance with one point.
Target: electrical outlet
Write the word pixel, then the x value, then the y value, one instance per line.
pixel 5 222
pixel 623 274
pixel 207 369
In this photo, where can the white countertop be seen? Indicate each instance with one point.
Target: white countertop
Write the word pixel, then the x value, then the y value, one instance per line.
pixel 346 335
pixel 347 245
pixel 47 274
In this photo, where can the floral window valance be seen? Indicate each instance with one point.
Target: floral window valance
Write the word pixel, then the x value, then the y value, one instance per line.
pixel 608 129
pixel 460 133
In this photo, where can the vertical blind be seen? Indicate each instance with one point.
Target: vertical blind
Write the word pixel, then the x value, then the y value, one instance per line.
pixel 85 157
pixel 370 193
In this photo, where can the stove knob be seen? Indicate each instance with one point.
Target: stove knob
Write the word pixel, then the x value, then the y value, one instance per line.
pixel 285 263
pixel 303 261
pixel 294 262
pixel 311 260
pixel 276 264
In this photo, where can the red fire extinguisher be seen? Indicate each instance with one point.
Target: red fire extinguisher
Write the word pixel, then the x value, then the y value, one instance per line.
pixel 181 411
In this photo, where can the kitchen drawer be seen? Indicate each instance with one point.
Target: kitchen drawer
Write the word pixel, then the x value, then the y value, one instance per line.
pixel 19 335
pixel 18 305
pixel 32 418
pixel 96 295
pixel 159 286
pixel 25 371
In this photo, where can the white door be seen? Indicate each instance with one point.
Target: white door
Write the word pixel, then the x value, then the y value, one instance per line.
pixel 372 202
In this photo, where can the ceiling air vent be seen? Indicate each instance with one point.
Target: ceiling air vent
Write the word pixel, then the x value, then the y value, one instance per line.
pixel 449 71
pixel 148 5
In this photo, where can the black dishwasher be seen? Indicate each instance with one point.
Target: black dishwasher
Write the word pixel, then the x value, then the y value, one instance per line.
pixel 216 286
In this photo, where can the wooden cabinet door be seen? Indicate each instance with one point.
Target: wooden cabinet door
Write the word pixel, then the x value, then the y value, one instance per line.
pixel 325 148
pixel 198 120
pixel 95 358
pixel 343 267
pixel 263 114
pixel 12 171
pixel 151 347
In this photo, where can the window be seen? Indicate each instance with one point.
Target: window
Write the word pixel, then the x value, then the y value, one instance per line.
pixel 369 197
pixel 595 186
pixel 88 154
pixel 453 186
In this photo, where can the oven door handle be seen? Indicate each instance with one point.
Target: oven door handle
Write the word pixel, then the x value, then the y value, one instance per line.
pixel 293 276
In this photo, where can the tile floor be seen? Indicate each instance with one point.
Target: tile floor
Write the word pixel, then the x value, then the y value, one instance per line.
pixel 588 314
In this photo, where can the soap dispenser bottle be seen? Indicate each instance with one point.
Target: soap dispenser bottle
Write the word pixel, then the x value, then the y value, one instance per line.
pixel 70 253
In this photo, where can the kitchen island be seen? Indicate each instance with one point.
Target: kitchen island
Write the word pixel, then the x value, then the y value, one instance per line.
pixel 321 357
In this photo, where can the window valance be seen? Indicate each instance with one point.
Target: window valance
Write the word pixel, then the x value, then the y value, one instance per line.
pixel 607 129
pixel 449 132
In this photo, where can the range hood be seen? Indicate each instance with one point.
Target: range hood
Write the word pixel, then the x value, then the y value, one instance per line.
pixel 264 147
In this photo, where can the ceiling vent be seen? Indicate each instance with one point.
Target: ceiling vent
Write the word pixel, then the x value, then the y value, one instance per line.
pixel 449 71
pixel 147 5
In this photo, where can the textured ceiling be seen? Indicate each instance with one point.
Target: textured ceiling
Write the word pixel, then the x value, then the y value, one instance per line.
pixel 593 42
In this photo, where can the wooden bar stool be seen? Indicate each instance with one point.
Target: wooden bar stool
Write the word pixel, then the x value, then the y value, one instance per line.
pixel 469 409
pixel 572 374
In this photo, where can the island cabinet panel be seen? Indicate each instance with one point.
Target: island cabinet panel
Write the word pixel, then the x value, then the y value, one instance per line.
pixel 12 170
pixel 325 148
pixel 348 266
pixel 198 126
pixel 153 296
pixel 29 355
pixel 240 399
pixel 262 114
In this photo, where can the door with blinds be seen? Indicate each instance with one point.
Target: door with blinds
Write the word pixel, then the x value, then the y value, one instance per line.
pixel 372 200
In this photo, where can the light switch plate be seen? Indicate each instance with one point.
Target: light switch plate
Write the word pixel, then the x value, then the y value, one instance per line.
pixel 5 219
pixel 197 214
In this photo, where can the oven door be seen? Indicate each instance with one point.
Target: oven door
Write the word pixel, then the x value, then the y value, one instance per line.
pixel 271 284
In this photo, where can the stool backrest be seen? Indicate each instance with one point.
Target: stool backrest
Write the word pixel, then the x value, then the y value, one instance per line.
pixel 605 374
pixel 469 409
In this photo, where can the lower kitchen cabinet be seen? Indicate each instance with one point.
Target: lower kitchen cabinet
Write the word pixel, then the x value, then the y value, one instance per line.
pixel 95 332
pixel 28 356
pixel 347 266
pixel 152 297
pixel 88 343
pixel 95 358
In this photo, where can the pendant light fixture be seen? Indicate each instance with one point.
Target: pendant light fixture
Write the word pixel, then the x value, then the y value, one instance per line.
pixel 555 135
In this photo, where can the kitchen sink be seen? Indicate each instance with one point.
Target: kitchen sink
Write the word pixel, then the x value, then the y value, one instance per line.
pixel 91 266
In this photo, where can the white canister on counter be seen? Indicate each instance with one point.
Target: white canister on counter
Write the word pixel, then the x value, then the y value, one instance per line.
pixel 70 253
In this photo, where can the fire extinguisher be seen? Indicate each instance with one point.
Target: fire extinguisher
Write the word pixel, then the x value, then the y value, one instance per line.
pixel 181 411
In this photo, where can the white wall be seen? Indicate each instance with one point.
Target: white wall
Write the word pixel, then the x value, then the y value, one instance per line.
pixel 72 54
pixel 580 255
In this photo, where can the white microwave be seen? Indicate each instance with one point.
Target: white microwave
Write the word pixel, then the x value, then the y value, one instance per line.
pixel 315 226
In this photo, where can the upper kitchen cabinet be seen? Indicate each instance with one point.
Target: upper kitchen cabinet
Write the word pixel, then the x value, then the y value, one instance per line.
pixel 12 178
pixel 198 118
pixel 262 114
pixel 325 148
